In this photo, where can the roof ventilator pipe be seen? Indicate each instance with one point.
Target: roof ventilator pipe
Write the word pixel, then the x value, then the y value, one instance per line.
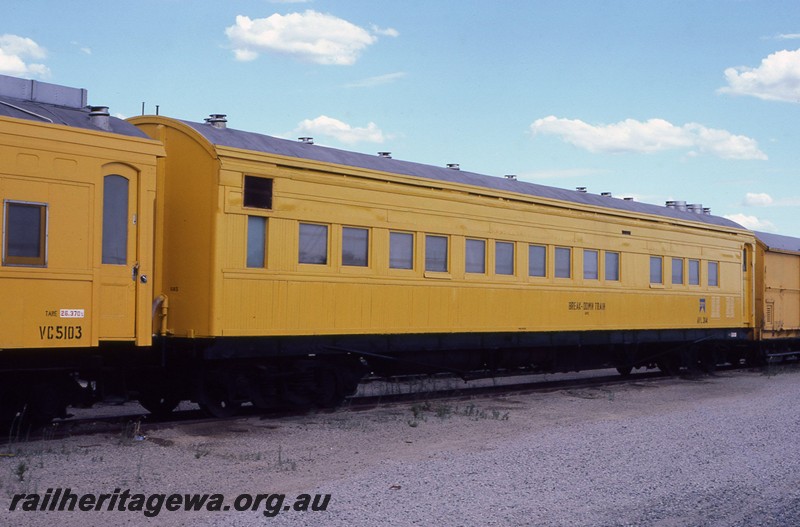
pixel 512 177
pixel 606 194
pixel 306 140
pixel 217 120
pixel 99 116
pixel 582 190
pixel 454 166
pixel 387 155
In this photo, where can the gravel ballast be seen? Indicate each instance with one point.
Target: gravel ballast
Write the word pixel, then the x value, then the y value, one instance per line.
pixel 720 450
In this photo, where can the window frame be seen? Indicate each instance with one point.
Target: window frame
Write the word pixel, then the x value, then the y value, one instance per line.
pixel 365 255
pixel 300 248
pixel 596 254
pixel 410 258
pixel 693 265
pixel 660 279
pixel 680 268
pixel 27 261
pixel 467 261
pixel 562 251
pixel 504 245
pixel 542 249
pixel 616 267
pixel 428 261
pixel 257 195
pixel 250 250
pixel 715 274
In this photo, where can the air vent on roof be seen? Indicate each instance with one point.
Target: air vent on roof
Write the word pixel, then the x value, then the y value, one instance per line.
pixel 678 205
pixel 99 116
pixel 306 140
pixel 581 189
pixel 512 177
pixel 217 120
pixel 707 211
pixel 697 208
pixel 387 155
pixel 454 166
pixel 606 194
pixel 628 198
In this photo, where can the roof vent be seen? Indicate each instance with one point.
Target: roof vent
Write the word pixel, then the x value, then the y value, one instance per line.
pixel 387 155
pixel 707 211
pixel 606 194
pixel 99 116
pixel 512 177
pixel 217 120
pixel 697 208
pixel 628 198
pixel 454 166
pixel 581 189
pixel 306 140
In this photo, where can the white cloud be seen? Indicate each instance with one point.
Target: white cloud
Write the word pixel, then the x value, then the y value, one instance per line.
pixel 752 222
pixel 788 36
pixel 15 51
pixel 776 79
pixel 310 36
pixel 377 81
pixel 341 131
pixel 653 135
pixel 757 200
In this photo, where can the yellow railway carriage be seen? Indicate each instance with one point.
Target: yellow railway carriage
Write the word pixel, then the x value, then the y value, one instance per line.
pixel 168 260
pixel 778 293
pixel 279 248
pixel 77 194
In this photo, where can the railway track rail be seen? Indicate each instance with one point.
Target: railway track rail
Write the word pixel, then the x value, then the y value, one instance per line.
pixel 131 421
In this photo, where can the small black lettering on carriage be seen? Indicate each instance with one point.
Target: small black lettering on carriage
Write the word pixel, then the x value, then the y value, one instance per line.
pixel 60 332
pixel 586 306
pixel 53 313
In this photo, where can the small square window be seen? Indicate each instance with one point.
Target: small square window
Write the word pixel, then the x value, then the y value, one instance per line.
pixel 25 234
pixel 355 246
pixel 313 244
pixel 257 192
pixel 476 256
pixel 401 250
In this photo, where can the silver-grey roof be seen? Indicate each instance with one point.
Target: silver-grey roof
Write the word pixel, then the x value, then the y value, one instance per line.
pixel 778 242
pixel 50 103
pixel 263 143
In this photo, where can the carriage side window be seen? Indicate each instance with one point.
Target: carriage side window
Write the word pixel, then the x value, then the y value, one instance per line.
pixel 313 247
pixel 504 258
pixel 713 274
pixel 694 272
pixel 537 260
pixel 257 192
pixel 25 234
pixel 401 250
pixel 476 256
pixel 656 270
pixel 612 267
pixel 256 241
pixel 677 271
pixel 115 220
pixel 355 246
pixel 563 262
pixel 590 265
pixel 436 253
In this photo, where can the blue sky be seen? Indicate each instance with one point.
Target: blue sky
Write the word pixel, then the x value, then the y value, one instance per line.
pixel 659 100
